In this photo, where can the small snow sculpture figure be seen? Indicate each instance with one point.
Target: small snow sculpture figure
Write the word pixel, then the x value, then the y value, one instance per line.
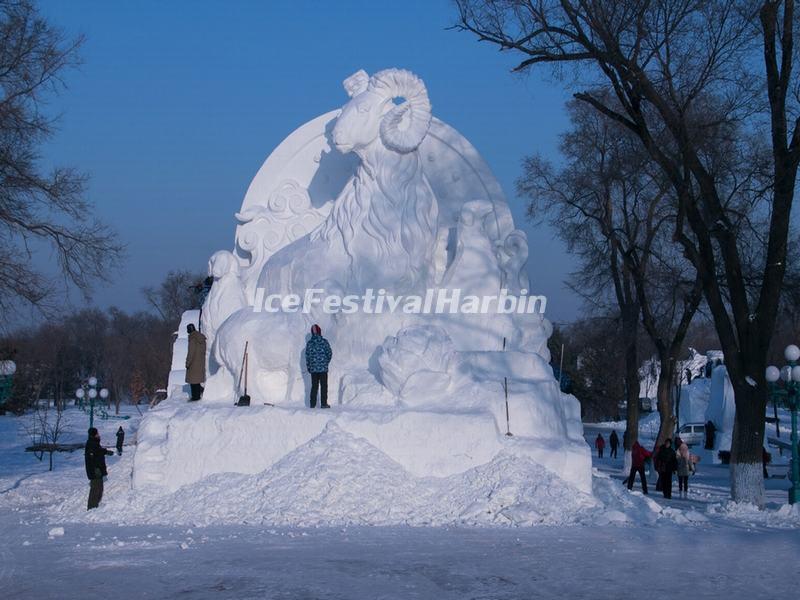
pixel 196 362
pixel 225 296
pixel 120 439
pixel 613 441
pixel 95 459
pixel 415 364
pixel 318 357
pixel 600 444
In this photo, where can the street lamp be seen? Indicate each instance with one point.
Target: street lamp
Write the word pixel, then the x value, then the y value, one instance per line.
pixel 788 394
pixel 89 389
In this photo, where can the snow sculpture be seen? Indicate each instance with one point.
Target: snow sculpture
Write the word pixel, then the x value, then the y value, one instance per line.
pixel 288 215
pixel 378 196
pixel 381 231
pixel 416 364
pixel 721 408
pixel 226 295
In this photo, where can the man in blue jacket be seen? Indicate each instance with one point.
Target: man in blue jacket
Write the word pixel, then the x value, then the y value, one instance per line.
pixel 318 356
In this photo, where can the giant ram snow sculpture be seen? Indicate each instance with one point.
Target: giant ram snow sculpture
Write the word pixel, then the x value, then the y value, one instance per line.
pixel 378 197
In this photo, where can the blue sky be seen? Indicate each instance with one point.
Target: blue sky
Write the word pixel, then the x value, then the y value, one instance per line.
pixel 178 103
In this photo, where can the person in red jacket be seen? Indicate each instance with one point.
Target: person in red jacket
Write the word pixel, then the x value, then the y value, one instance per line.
pixel 600 444
pixel 638 456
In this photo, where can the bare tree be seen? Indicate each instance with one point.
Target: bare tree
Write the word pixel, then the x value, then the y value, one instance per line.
pixel 579 203
pixel 45 429
pixel 176 294
pixel 610 207
pixel 685 75
pixel 40 210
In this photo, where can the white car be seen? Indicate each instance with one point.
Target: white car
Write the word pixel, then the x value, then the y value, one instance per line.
pixel 694 434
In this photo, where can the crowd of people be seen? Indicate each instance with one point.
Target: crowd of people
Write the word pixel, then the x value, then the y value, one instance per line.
pixel 666 460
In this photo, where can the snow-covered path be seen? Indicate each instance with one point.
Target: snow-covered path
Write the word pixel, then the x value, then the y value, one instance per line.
pixel 545 562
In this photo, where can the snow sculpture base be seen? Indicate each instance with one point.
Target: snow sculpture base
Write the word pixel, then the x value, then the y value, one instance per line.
pixel 180 444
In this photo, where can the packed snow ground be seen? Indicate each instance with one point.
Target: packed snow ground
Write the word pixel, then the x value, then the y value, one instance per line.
pixel 261 535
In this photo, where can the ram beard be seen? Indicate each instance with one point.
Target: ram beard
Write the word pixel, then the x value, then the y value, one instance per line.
pixel 387 215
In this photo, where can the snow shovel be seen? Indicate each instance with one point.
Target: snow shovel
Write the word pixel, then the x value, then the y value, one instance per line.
pixel 244 400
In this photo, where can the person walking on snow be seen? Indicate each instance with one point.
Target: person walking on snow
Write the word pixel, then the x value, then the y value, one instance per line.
pixel 638 456
pixel 684 468
pixel 196 362
pixel 120 439
pixel 667 465
pixel 613 441
pixel 318 357
pixel 599 443
pixel 95 459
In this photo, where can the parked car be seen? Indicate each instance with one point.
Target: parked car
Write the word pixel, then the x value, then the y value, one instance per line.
pixel 692 433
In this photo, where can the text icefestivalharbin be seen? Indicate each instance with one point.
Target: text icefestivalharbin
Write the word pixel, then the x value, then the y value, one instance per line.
pixel 379 301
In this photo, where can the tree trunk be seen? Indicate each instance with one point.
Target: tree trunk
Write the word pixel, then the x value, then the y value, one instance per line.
pixel 664 396
pixel 632 395
pixel 747 444
pixel 630 326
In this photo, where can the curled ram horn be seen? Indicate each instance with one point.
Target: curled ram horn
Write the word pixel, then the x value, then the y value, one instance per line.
pixel 405 126
pixel 356 83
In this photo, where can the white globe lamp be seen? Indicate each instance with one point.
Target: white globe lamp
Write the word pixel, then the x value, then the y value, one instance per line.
pixel 792 353
pixel 80 393
pixel 773 374
pixel 93 381
pixel 8 367
pixel 92 393
pixel 104 393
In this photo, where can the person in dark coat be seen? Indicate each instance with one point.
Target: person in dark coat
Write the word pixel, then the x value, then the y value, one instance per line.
pixel 667 464
pixel 196 362
pixel 600 444
pixel 120 439
pixel 95 459
pixel 318 357
pixel 613 441
pixel 638 456
pixel 711 430
pixel 656 454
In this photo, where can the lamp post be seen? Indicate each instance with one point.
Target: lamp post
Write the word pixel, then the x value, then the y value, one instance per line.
pixel 89 390
pixel 788 394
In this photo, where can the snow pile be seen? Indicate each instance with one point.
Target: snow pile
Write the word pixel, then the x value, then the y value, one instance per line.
pixel 180 444
pixel 785 517
pixel 337 478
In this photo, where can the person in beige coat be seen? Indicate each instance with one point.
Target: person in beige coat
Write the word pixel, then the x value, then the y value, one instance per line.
pixel 196 362
pixel 685 466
